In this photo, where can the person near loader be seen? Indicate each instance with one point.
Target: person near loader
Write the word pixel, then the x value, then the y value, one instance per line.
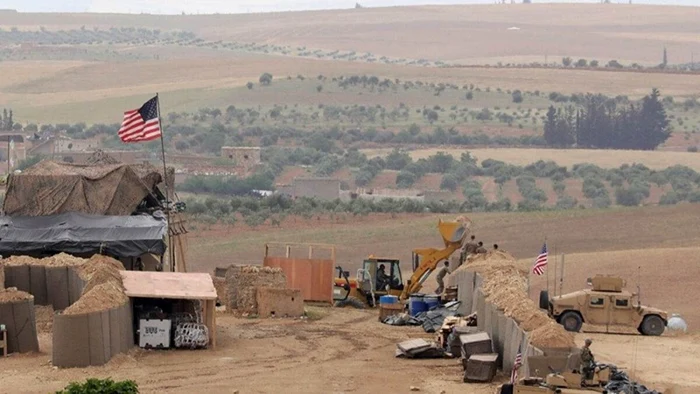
pixel 440 278
pixel 587 360
pixel 481 249
pixel 382 277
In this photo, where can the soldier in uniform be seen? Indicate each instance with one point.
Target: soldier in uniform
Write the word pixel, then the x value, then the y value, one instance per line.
pixel 587 360
pixel 440 279
pixel 481 249
pixel 468 249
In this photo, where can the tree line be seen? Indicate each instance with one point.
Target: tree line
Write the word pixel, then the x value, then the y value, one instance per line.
pixel 600 122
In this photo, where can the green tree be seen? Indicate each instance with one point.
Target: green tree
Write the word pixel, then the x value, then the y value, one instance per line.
pixel 653 125
pixel 566 61
pixel 249 85
pixel 517 96
pixel 265 79
pixel 397 160
pixel 449 182
pixel 581 63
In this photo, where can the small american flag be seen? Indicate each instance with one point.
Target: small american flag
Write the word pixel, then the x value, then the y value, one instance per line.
pixel 141 125
pixel 541 261
pixel 516 365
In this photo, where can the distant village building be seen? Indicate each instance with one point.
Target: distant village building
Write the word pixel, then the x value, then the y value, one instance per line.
pixel 247 158
pixel 312 187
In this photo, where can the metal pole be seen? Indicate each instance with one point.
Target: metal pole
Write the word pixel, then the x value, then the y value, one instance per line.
pixel 167 192
pixel 555 268
pixel 561 275
pixel 8 155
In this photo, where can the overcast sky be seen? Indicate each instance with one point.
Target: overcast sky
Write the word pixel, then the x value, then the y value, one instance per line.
pixel 242 6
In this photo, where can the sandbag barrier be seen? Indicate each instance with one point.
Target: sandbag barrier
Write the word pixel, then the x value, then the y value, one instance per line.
pixel 20 323
pixel 92 338
pixel 507 336
pixel 56 286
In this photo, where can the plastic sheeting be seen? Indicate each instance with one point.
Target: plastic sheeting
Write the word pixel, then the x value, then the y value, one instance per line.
pixel 77 233
pixel 621 383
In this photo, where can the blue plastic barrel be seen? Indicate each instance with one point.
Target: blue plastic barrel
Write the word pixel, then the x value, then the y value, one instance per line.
pixel 431 301
pixel 416 305
pixel 388 299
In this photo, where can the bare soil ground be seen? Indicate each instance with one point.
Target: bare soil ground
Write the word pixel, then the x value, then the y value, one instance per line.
pixel 345 351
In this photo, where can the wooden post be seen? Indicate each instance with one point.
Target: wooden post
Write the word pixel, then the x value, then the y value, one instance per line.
pixel 211 322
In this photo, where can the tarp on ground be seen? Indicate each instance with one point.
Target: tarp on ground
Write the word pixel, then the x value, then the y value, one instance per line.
pixel 50 188
pixel 77 233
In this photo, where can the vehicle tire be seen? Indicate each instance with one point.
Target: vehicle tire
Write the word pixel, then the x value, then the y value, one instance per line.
pixel 350 301
pixel 653 325
pixel 544 299
pixel 571 321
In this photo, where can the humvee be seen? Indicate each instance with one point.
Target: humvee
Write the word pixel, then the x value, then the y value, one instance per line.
pixel 605 303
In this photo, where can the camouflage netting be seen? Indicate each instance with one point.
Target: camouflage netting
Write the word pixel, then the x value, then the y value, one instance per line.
pixel 50 188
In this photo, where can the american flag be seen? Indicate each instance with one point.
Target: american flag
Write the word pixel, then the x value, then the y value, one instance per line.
pixel 540 261
pixel 516 365
pixel 140 125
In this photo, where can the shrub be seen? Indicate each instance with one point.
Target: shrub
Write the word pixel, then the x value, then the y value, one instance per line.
pixel 102 386
pixel 249 85
pixel 517 96
pixel 593 188
pixel 449 182
pixel 469 95
pixel 265 79
pixel 627 197
pixel 670 198
pixel 405 179
pixel 692 149
pixel 566 202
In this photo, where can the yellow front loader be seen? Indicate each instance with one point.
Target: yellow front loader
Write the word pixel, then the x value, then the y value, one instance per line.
pixel 427 259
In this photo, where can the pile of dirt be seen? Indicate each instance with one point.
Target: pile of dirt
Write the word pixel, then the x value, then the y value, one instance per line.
pixel 242 282
pixel 11 294
pixel 505 286
pixel 59 260
pixel 551 335
pixel 99 264
pixel 101 297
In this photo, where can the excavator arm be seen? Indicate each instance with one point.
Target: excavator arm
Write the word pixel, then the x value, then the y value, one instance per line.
pixel 453 235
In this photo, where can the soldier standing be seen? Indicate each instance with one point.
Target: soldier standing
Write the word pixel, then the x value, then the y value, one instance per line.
pixel 481 249
pixel 587 360
pixel 440 278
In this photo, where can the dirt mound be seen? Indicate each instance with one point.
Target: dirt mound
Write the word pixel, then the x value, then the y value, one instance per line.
pixel 100 264
pixel 12 295
pixel 551 335
pixel 101 297
pixel 59 260
pixel 505 286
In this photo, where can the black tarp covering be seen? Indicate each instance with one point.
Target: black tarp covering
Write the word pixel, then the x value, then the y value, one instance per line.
pixel 78 233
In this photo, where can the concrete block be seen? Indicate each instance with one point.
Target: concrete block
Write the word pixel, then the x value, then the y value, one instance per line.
pixel 279 302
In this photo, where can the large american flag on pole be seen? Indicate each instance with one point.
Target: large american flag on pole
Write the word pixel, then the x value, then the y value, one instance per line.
pixel 516 365
pixel 141 125
pixel 540 261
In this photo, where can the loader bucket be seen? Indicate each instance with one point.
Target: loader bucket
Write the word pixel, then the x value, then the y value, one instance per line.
pixel 453 232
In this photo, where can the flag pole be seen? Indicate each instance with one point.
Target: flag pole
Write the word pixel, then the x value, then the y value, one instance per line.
pixel 167 192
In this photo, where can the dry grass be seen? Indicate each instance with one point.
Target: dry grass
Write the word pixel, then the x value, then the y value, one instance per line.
pixel 566 157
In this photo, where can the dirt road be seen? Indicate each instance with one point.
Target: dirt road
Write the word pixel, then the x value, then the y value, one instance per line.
pixel 345 351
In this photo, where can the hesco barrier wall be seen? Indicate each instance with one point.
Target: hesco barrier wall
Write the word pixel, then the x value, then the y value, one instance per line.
pixel 56 286
pixel 20 322
pixel 507 337
pixel 92 338
pixel 79 340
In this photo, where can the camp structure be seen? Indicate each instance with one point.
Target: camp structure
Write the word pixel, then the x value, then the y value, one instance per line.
pixel 104 207
pixel 125 238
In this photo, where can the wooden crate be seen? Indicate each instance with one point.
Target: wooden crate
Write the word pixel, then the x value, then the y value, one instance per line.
pixel 389 310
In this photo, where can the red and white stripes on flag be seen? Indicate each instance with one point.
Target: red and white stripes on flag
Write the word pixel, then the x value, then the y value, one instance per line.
pixel 516 365
pixel 141 125
pixel 541 261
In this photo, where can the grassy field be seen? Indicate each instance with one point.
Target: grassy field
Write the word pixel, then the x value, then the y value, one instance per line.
pixel 190 76
pixel 475 34
pixel 565 157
